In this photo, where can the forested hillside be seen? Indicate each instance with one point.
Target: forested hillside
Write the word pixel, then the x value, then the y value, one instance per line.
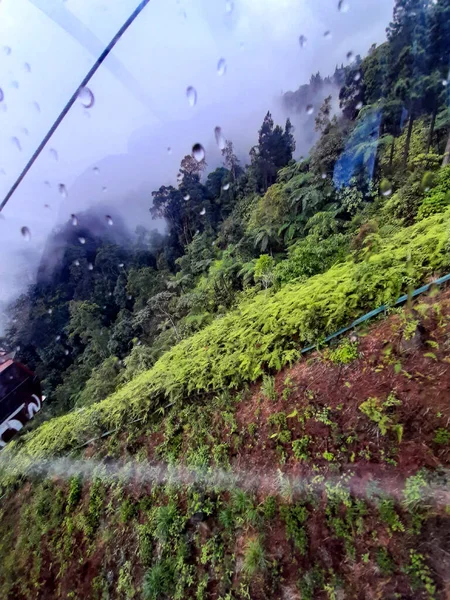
pixel 277 477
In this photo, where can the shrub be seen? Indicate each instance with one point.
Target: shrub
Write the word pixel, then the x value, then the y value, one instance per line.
pixel 345 353
pixel 375 410
pixel 254 558
pixel 75 489
pixel 442 436
pixel 294 517
pixel 268 387
pixel 300 447
pixel 159 580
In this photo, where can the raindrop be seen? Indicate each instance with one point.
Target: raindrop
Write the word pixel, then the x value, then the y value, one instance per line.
pixel 191 95
pixel 57 338
pixel 221 67
pixel 53 153
pixel 104 188
pixel 66 352
pixel 386 187
pixel 186 197
pixel 90 267
pixel 2 95
pixel 62 190
pixel 310 109
pixel 47 206
pixel 444 83
pixel 357 76
pixel 327 35
pixel 47 183
pixel 220 140
pixel 359 106
pixel 203 211
pixel 302 41
pixel 76 263
pixel 26 234
pixel 15 84
pixel 37 107
pixel 50 310
pixel 324 175
pixel 27 67
pixel 7 50
pixel 96 170
pixel 74 220
pixel 86 97
pixel 229 6
pixel 82 240
pixel 349 56
pixel 198 152
pixel 121 265
pixel 169 150
pixel 130 297
pixel 16 143
pixel 25 131
pixel 343 6
pixel 226 187
pixel 109 220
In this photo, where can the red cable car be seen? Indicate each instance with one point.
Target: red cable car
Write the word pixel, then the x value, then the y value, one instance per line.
pixel 20 396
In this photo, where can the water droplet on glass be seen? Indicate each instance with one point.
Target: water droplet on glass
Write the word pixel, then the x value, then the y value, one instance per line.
pixel 53 154
pixel 62 190
pixel 357 76
pixel 104 189
pixel 349 56
pixel 221 67
pixel 386 187
pixel 15 140
pixel 26 233
pixel 2 95
pixel 25 131
pixel 203 211
pixel 96 170
pixel 324 175
pixel 186 197
pixel 359 106
pixel 109 220
pixel 343 6
pixel 229 6
pixel 82 240
pixel 121 265
pixel 327 34
pixel 57 338
pixel 198 152
pixel 2 171
pixel 50 311
pixel 37 107
pixel 66 352
pixel 47 206
pixel 169 150
pixel 7 50
pixel 27 67
pixel 444 82
pixel 191 95
pixel 76 263
pixel 302 41
pixel 90 267
pixel 15 84
pixel 220 140
pixel 86 97
pixel 310 109
pixel 47 184
pixel 74 220
pixel 226 187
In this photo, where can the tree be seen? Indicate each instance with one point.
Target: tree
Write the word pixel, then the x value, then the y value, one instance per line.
pixel 264 270
pixel 190 166
pixel 230 160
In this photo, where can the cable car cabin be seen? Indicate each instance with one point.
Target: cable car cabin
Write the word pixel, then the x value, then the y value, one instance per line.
pixel 20 396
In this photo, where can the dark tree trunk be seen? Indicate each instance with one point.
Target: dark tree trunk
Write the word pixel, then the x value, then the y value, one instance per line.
pixel 408 142
pixel 391 156
pixel 446 160
pixel 430 133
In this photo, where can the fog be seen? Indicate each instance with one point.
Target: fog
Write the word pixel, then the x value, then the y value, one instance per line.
pixel 111 156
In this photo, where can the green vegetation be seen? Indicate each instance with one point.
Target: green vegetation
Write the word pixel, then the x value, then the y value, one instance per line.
pixel 155 342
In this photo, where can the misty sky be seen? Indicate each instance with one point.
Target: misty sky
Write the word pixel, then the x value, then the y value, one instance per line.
pixel 140 97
